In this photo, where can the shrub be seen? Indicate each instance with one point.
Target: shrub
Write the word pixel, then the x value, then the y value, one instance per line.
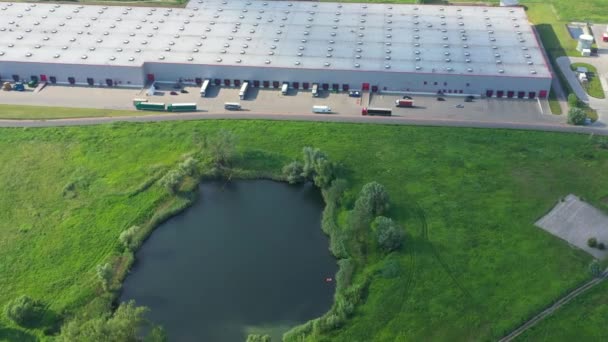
pixel 104 274
pixel 334 193
pixel 317 167
pixel 298 333
pixel 128 238
pixel 388 233
pixel 390 268
pixel 24 310
pixel 171 180
pixel 293 172
pixel 345 273
pixel 222 148
pixel 595 269
pixel 592 242
pixel 373 198
pixel 573 101
pixel 258 338
pixel 601 246
pixel 188 167
pixel 576 116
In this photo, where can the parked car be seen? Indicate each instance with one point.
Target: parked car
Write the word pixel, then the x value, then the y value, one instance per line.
pixel 440 99
pixel 460 105
pixel 405 97
pixel 469 98
pixel 183 91
pixel 354 93
pixel 173 93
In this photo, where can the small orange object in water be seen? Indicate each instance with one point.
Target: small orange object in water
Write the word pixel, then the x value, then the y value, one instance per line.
pixel 329 280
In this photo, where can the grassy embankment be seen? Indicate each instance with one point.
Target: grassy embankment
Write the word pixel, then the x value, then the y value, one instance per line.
pixel 580 320
pixel 474 266
pixel 38 112
pixel 594 86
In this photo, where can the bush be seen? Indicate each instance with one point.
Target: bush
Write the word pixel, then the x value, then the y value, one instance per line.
pixel 188 167
pixel 128 238
pixel 334 193
pixel 298 333
pixel 258 338
pixel 293 172
pixel 171 180
pixel 373 198
pixel 388 233
pixel 222 148
pixel 317 167
pixel 595 269
pixel 601 246
pixel 24 311
pixel 104 274
pixel 573 101
pixel 345 273
pixel 576 116
pixel 592 242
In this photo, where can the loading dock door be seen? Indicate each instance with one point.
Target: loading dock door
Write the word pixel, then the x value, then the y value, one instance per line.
pixel 198 81
pixel 109 82
pixel 500 93
pixel 305 85
pixel 237 83
pixel 217 81
pixel 542 94
pixel 510 94
pixel 266 84
pixel 521 94
pixel 43 78
pixel 374 89
pixel 150 78
pixel 256 83
pixel 489 93
pixel 365 86
pixel 532 95
pixel 296 85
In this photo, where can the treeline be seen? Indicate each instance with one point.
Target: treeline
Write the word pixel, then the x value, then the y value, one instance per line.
pixel 349 243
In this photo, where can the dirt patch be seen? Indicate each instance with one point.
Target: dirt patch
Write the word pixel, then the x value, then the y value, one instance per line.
pixel 576 221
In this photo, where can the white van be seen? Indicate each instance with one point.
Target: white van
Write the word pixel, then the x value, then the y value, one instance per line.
pixel 321 109
pixel 232 105
pixel 315 90
pixel 284 88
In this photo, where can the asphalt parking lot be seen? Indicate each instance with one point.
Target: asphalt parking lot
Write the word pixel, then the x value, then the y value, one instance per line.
pixel 271 101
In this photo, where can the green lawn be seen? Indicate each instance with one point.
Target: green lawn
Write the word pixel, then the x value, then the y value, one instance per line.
pixel 36 112
pixel 594 86
pixel 474 265
pixel 578 321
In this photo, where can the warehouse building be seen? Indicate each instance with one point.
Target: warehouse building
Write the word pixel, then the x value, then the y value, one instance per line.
pixel 489 51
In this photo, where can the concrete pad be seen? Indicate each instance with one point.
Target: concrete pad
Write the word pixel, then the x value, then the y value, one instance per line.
pixel 576 221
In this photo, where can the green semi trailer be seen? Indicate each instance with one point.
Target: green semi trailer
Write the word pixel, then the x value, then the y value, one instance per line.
pixel 150 106
pixel 182 107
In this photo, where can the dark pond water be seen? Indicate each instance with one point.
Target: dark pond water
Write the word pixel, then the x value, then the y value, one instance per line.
pixel 248 256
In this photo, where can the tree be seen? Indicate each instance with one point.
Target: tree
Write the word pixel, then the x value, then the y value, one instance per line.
pixel 592 242
pixel 104 274
pixel 373 198
pixel 126 325
pixel 171 180
pixel 293 172
pixel 258 338
pixel 573 101
pixel 576 116
pixel 310 154
pixel 388 233
pixel 336 190
pixel 222 148
pixel 24 310
pixel 317 167
pixel 128 237
pixel 594 268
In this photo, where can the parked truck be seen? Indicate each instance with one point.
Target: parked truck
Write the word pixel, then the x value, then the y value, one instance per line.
pixel 182 107
pixel 160 107
pixel 404 103
pixel 376 111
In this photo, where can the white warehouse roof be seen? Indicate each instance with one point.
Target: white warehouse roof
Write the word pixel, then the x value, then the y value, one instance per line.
pixel 309 35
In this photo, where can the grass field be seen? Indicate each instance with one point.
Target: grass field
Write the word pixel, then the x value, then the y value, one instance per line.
pixel 577 321
pixel 36 112
pixel 594 86
pixel 474 265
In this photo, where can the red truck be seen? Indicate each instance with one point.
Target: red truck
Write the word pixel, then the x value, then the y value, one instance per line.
pixel 404 103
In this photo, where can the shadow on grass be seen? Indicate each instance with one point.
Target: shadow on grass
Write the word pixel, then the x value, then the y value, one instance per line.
pixel 10 334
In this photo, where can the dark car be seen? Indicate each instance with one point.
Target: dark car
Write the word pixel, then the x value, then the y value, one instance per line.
pixel 173 93
pixel 440 99
pixel 183 91
pixel 354 93
pixel 405 97
pixel 468 99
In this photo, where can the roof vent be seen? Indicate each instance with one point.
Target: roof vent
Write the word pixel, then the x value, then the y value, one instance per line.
pixel 267 61
pixel 498 61
pixel 112 58
pixel 387 66
pixel 470 70
pixel 357 65
pixel 327 64
pixel 195 50
pixel 138 50
pixel 238 61
pixel 418 67
pixel 90 49
pixel 64 47
pixel 218 60
pixel 119 50
pixel 501 71
pixel 297 63
pixel 358 56
pixel 448 60
pixel 242 52
pixel 190 59
pixel 84 57
pixel 131 59
pixel 533 72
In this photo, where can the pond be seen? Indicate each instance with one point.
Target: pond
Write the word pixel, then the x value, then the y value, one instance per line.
pixel 247 257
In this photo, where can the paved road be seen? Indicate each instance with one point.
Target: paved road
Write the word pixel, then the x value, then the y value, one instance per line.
pixel 556 127
pixel 550 310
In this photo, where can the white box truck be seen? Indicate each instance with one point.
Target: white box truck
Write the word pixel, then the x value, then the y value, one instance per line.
pixel 284 88
pixel 315 90
pixel 204 88
pixel 321 109
pixel 243 91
